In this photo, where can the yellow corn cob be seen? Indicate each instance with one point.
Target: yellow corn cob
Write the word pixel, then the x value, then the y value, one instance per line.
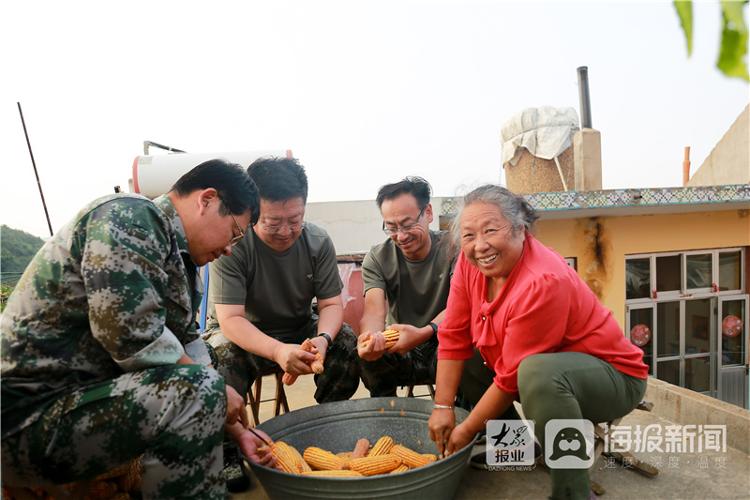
pixel 316 365
pixel 361 448
pixel 321 459
pixel 381 446
pixel 285 460
pixel 371 466
pixel 400 468
pixel 431 457
pixel 344 454
pixel 302 466
pixel 332 473
pixel 408 456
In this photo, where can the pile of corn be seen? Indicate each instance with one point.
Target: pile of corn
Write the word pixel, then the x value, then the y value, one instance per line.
pixel 385 457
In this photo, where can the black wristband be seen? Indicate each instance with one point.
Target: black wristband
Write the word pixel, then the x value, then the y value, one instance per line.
pixel 327 337
pixel 434 327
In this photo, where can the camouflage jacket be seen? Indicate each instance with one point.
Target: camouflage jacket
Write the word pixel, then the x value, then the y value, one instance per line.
pixel 108 294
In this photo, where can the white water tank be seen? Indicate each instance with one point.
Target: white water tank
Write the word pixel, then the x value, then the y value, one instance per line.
pixel 154 175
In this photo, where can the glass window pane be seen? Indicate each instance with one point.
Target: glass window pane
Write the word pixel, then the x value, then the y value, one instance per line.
pixel 668 273
pixel 669 371
pixel 668 329
pixel 698 374
pixel 698 271
pixel 641 333
pixel 733 332
pixel 638 278
pixel 730 270
pixel 697 326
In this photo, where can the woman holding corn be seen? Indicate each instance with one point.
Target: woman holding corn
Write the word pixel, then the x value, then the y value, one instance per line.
pixel 550 342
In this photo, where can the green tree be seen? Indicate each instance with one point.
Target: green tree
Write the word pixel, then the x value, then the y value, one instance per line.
pixel 733 50
pixel 17 248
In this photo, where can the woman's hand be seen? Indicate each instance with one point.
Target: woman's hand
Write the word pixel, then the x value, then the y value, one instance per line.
pixel 441 423
pixel 460 437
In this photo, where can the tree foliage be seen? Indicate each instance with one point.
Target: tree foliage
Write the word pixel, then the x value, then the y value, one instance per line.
pixel 731 60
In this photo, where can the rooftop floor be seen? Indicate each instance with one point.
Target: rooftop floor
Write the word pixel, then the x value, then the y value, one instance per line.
pixel 682 475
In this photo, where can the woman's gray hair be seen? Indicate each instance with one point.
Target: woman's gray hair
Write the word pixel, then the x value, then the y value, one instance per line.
pixel 513 207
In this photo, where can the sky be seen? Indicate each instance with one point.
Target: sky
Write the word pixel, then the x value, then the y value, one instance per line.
pixel 363 93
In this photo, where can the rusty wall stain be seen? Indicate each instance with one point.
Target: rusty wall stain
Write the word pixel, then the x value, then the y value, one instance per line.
pixel 596 261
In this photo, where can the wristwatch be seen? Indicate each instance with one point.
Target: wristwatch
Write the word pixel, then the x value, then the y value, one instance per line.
pixel 434 327
pixel 327 337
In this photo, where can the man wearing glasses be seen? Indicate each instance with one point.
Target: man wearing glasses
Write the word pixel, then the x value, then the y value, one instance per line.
pixel 101 361
pixel 263 293
pixel 406 283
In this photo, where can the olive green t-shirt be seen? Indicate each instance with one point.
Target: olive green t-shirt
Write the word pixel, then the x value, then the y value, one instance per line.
pixel 276 288
pixel 416 290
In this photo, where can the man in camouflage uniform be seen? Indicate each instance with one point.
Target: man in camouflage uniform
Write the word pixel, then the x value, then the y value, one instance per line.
pixel 262 293
pixel 101 362
pixel 406 283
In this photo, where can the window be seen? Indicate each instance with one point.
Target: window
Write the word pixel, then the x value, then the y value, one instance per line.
pixel 668 273
pixel 730 271
pixel 638 278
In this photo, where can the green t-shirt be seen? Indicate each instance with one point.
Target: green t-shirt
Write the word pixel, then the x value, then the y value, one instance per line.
pixel 276 288
pixel 416 290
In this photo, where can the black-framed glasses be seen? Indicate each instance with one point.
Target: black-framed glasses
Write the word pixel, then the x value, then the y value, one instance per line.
pixel 236 239
pixel 405 228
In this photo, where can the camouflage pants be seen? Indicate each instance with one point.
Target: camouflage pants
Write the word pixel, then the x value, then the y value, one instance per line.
pixel 339 380
pixel 172 414
pixel 416 367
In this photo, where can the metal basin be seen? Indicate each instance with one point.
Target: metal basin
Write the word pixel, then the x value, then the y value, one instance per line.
pixel 337 426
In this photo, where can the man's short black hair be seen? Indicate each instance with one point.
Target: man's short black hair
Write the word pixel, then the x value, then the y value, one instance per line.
pixel 236 189
pixel 415 186
pixel 279 179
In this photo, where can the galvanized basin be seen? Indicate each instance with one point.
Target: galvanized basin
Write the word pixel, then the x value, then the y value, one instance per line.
pixel 337 426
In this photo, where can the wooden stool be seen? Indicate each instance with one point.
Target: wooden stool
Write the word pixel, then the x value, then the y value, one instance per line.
pixel 254 394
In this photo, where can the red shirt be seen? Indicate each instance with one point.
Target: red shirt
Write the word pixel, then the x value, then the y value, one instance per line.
pixel 544 306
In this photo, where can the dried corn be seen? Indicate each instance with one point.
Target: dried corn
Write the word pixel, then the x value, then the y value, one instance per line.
pixel 373 465
pixel 302 466
pixel 408 456
pixel 400 468
pixel 285 460
pixel 321 459
pixel 316 365
pixel 431 457
pixel 381 446
pixel 332 473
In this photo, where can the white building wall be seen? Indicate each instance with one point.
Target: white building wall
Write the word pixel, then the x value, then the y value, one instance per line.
pixel 355 226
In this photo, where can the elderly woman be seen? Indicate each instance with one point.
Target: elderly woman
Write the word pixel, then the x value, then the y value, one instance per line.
pixel 537 324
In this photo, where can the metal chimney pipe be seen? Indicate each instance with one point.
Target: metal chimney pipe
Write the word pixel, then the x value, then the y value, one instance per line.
pixel 686 166
pixel 583 96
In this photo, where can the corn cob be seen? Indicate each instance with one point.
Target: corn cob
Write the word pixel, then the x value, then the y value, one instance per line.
pixel 361 448
pixel 373 465
pixel 381 446
pixel 408 456
pixel 321 459
pixel 299 462
pixel 400 468
pixel 431 457
pixel 317 364
pixel 332 473
pixel 285 460
pixel 391 337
